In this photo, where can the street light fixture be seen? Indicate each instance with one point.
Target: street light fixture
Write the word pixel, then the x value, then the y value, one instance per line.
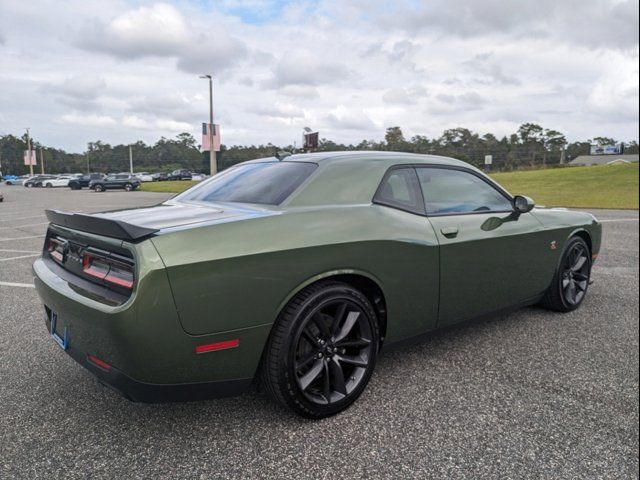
pixel 212 153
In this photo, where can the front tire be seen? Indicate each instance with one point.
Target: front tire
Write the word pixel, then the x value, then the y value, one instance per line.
pixel 99 188
pixel 128 187
pixel 571 280
pixel 322 350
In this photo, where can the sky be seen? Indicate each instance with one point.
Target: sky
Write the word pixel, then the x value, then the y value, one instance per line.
pixel 119 71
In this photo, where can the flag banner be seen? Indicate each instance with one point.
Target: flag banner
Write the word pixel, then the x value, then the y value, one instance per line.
pixel 310 140
pixel 206 146
pixel 30 159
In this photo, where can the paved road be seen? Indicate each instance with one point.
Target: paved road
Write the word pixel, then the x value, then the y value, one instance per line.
pixel 534 394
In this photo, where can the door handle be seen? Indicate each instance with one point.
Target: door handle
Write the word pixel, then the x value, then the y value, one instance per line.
pixel 449 232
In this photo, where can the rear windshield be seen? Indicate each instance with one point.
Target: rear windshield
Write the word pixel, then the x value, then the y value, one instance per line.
pixel 265 183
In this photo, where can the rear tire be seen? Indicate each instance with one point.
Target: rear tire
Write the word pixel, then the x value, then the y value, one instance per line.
pixel 99 188
pixel 569 286
pixel 322 350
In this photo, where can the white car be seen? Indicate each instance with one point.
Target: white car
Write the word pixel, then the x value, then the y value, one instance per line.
pixel 17 181
pixel 61 181
pixel 144 177
pixel 197 177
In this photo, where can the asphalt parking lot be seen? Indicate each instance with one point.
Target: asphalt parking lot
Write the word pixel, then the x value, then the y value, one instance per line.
pixel 530 395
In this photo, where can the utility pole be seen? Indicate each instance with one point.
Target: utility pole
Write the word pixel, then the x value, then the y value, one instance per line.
pixel 212 154
pixel 130 160
pixel 41 161
pixel 29 153
pixel 87 162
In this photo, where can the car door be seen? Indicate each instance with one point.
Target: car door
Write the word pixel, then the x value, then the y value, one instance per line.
pixel 118 181
pixel 415 255
pixel 487 250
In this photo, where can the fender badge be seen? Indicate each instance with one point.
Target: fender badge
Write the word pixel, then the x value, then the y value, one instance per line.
pixel 553 245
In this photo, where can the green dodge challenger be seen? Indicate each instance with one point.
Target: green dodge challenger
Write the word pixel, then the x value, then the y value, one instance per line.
pixel 295 272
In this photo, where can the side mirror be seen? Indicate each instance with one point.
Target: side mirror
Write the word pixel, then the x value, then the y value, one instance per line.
pixel 522 204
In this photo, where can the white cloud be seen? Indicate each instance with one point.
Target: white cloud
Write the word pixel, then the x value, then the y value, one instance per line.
pixel 161 30
pixel 126 70
pixel 616 95
pixel 132 121
pixel 88 120
pixel 173 126
pixel 349 119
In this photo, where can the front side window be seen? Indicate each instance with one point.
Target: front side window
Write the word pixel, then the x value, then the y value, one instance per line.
pixel 264 183
pixel 449 191
pixel 399 189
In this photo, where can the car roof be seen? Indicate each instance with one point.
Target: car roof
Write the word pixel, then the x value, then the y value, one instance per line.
pixel 363 156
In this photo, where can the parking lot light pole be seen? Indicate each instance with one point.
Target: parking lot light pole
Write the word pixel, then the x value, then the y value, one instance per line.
pixel 212 154
pixel 29 153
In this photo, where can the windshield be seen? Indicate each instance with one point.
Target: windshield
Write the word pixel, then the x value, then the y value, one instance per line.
pixel 265 183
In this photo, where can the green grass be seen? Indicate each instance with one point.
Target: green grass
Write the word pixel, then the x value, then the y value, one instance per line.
pixel 167 187
pixel 601 186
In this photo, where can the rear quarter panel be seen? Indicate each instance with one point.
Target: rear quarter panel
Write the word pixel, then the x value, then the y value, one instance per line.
pixel 240 274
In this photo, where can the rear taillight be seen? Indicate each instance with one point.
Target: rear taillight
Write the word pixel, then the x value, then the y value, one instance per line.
pixel 56 249
pixel 111 270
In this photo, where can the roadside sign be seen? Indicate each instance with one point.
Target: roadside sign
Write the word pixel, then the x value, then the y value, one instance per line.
pixel 488 159
pixel 30 157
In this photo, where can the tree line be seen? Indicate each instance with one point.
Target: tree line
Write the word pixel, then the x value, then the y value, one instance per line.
pixel 531 146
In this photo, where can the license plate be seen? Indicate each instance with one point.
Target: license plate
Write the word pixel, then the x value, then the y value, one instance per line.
pixel 62 340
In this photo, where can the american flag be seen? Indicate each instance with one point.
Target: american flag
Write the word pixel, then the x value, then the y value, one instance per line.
pixel 30 157
pixel 205 137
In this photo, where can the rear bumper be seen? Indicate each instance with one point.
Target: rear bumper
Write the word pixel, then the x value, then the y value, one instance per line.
pixel 150 358
pixel 138 391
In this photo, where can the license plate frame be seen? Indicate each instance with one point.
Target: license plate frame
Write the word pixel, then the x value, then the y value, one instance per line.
pixel 62 341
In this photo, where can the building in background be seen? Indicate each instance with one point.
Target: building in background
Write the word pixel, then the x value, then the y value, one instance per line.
pixel 606 159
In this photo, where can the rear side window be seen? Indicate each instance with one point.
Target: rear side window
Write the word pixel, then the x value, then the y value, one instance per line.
pixel 264 183
pixel 449 191
pixel 400 189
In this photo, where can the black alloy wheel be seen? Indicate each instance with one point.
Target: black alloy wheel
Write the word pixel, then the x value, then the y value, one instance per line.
pixel 332 353
pixel 322 350
pixel 571 280
pixel 575 274
pixel 99 188
pixel 128 187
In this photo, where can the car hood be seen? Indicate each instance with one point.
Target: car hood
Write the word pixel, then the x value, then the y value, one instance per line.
pixel 171 215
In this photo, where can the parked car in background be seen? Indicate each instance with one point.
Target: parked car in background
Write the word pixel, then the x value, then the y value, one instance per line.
pixel 120 181
pixel 37 180
pixel 198 177
pixel 182 174
pixel 61 181
pixel 144 176
pixel 13 180
pixel 160 176
pixel 83 180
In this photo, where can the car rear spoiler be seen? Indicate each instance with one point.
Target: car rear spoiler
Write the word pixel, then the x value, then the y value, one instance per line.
pixel 100 225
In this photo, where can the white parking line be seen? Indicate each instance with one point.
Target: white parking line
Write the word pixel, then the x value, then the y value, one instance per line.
pixel 3 219
pixel 10 250
pixel 21 285
pixel 17 258
pixel 27 225
pixel 20 238
pixel 618 220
